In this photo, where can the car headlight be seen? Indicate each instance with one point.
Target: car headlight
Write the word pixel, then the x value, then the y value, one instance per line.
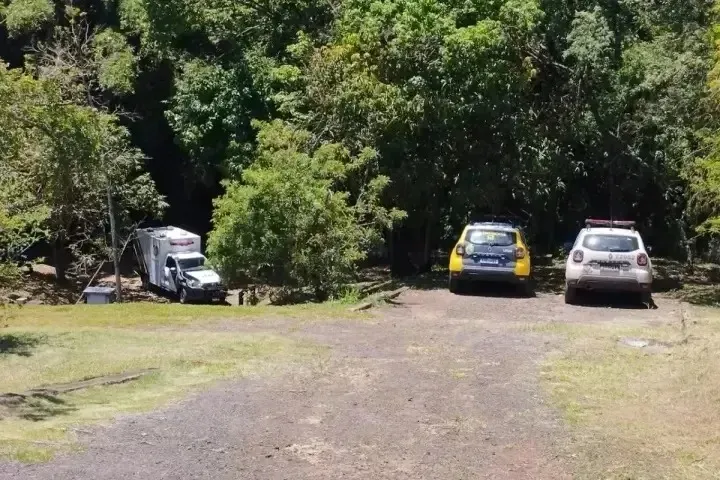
pixel 193 283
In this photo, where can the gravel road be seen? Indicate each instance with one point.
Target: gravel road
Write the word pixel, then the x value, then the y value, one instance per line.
pixel 436 387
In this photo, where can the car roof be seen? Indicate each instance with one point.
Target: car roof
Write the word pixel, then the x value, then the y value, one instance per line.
pixel 620 232
pixel 503 227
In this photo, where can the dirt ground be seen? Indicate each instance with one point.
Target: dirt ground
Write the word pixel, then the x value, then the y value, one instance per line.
pixel 437 386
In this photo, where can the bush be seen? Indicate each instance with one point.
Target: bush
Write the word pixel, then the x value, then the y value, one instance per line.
pixel 291 222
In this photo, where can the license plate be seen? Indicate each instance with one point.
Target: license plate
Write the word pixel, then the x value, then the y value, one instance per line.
pixel 489 261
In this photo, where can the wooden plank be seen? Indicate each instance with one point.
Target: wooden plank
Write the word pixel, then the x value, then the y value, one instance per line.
pixel 61 388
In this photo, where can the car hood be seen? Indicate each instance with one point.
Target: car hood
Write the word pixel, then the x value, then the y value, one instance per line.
pixel 204 276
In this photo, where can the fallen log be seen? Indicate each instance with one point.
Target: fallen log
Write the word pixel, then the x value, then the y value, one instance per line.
pixel 375 287
pixel 61 388
pixel 379 298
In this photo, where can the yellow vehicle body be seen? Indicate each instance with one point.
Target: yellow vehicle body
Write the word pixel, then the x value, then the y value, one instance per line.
pixel 493 252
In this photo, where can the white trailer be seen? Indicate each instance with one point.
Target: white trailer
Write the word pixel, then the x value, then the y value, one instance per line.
pixel 171 259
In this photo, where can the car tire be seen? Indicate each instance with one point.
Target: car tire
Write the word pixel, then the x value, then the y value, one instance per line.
pixel 570 295
pixel 454 285
pixel 526 289
pixel 646 298
pixel 183 295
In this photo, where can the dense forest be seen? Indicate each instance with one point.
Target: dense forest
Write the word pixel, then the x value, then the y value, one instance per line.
pixel 303 136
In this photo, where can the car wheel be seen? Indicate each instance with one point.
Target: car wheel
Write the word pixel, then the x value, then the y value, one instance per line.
pixel 570 295
pixel 646 298
pixel 183 295
pixel 526 289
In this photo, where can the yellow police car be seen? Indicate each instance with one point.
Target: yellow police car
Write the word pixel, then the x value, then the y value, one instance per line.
pixel 491 252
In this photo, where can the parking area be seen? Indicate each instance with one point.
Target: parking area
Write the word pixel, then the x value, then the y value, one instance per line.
pixel 435 386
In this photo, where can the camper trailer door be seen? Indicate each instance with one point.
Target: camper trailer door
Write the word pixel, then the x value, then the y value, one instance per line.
pixel 154 266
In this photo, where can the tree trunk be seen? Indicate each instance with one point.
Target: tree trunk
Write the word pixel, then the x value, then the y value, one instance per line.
pixel 114 246
pixel 60 258
pixel 391 250
pixel 687 245
pixel 426 259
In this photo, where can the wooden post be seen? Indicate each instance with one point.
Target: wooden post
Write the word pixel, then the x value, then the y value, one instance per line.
pixel 113 241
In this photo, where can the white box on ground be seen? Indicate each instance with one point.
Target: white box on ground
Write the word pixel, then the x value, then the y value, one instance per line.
pixel 99 295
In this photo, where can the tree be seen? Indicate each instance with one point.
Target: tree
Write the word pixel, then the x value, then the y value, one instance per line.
pixel 65 155
pixel 292 219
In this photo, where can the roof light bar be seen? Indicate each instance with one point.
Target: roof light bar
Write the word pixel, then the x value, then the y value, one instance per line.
pixel 595 222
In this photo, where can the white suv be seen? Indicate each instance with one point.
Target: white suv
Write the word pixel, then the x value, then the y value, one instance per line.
pixel 608 256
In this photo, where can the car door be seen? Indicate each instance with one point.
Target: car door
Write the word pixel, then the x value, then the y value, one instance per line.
pixel 170 274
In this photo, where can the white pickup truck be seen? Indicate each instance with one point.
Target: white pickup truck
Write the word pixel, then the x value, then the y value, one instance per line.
pixel 170 258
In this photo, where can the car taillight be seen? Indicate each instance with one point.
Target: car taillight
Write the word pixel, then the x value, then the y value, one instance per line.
pixel 519 252
pixel 642 260
pixel 460 250
pixel 578 256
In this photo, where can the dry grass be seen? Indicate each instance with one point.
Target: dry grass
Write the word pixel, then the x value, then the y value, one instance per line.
pixel 45 345
pixel 637 414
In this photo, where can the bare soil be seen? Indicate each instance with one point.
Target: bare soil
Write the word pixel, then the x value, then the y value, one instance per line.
pixel 437 386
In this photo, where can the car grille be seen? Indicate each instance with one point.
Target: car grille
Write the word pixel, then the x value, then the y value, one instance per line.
pixel 212 286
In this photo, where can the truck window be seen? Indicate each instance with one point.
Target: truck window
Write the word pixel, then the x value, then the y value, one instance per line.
pixel 187 264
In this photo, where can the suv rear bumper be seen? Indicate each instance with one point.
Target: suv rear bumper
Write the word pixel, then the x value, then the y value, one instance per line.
pixel 489 274
pixel 606 284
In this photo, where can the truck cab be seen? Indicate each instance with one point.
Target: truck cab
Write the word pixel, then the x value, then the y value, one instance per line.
pixel 191 277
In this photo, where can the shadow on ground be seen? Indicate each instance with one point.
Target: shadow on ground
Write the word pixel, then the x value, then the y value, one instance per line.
pixel 36 407
pixel 21 344
pixel 499 290
pixel 627 301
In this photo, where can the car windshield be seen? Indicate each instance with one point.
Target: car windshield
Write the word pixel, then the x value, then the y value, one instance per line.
pixel 611 243
pixel 190 264
pixel 491 237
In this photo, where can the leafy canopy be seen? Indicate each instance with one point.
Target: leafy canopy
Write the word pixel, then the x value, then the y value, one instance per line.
pixel 290 220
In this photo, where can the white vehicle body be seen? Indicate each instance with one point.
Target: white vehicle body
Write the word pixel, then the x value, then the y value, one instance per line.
pixel 609 259
pixel 173 262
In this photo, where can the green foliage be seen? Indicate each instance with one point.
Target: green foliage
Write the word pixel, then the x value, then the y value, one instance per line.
pixel 590 40
pixel 290 220
pixel 27 16
pixel 211 112
pixel 65 157
pixel 542 108
pixel 703 174
pixel 116 62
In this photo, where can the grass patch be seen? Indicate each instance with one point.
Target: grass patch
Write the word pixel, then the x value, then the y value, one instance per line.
pixel 133 315
pixel 636 413
pixel 48 345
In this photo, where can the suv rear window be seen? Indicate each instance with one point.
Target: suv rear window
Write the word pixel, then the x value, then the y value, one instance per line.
pixel 491 237
pixel 610 243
